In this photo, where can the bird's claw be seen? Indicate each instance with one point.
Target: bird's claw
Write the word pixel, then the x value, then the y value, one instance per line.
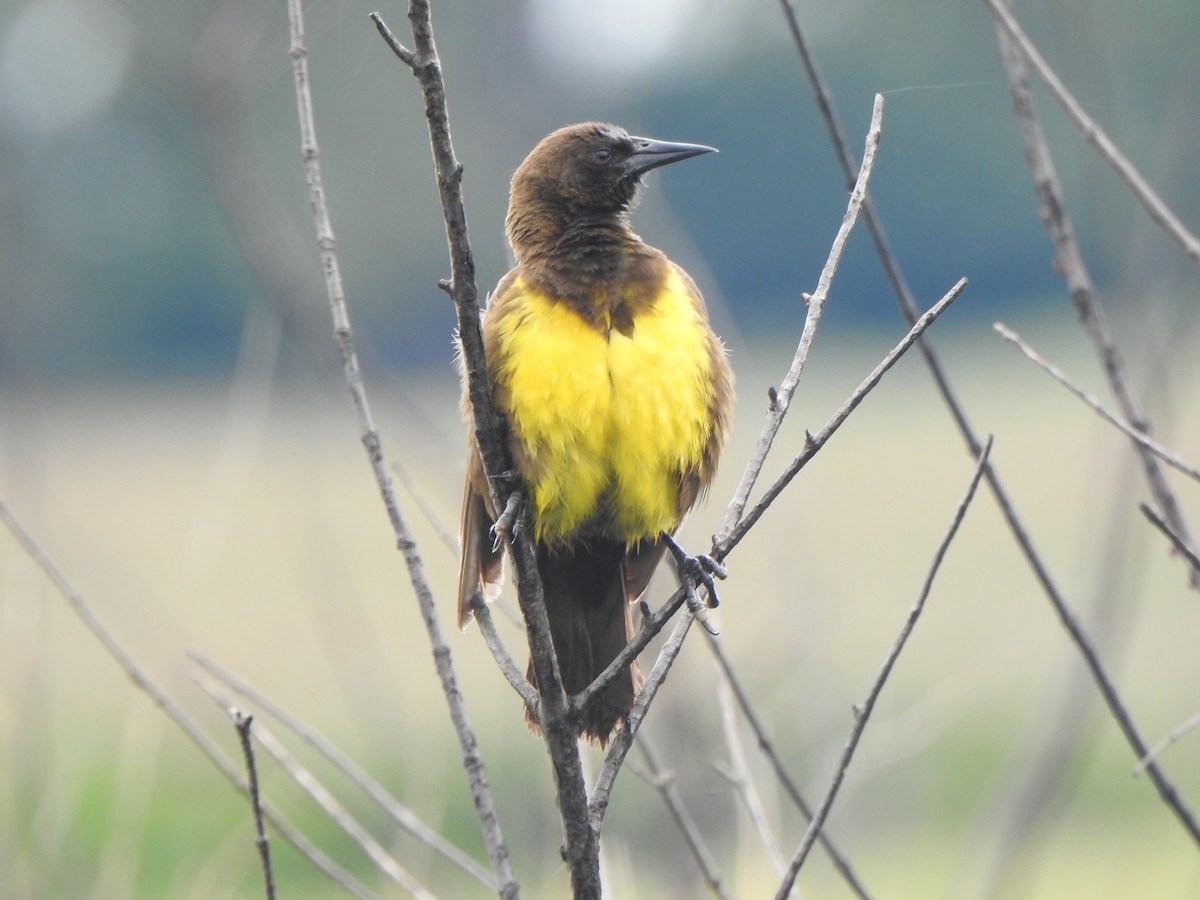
pixel 508 521
pixel 694 572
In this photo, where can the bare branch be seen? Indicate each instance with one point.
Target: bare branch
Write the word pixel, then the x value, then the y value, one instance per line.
pixel 1010 29
pixel 559 728
pixel 781 398
pixel 504 661
pixel 1172 736
pixel 789 785
pixel 815 442
pixel 1071 265
pixel 242 722
pixel 623 740
pixel 1177 540
pixel 863 713
pixel 738 775
pixel 664 782
pixel 160 699
pixel 401 816
pixel 335 810
pixel 472 760
pixel 1120 424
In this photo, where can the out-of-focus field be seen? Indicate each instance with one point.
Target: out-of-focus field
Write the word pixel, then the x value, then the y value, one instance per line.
pixel 241 521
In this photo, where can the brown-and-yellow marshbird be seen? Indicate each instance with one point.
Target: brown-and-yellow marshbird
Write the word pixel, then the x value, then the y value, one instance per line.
pixel 616 394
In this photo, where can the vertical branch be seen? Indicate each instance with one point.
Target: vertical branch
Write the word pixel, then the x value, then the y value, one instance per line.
pixel 863 713
pixel 242 722
pixel 781 774
pixel 582 844
pixel 1070 264
pixel 664 783
pixel 472 760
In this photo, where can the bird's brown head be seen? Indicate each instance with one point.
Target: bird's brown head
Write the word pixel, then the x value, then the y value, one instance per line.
pixel 582 173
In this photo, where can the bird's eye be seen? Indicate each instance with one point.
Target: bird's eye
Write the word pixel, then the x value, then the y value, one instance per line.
pixel 602 155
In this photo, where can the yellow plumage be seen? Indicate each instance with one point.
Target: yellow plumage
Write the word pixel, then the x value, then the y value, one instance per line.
pixel 616 396
pixel 607 421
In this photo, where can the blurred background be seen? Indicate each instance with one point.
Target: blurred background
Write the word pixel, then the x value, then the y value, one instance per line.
pixel 175 432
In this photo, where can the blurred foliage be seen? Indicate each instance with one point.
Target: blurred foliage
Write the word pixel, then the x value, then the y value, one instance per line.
pixel 152 191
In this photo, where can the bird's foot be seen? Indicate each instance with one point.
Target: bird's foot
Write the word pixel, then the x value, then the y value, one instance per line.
pixel 508 521
pixel 695 572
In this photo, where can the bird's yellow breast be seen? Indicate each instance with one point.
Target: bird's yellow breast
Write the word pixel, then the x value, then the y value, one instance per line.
pixel 608 420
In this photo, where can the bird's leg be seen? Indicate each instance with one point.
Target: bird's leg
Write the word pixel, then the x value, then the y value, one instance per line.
pixel 693 572
pixel 505 523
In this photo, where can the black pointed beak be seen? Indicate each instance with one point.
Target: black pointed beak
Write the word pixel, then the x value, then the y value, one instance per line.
pixel 650 154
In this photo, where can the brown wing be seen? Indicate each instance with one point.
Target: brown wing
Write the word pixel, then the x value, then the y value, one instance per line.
pixel 481 565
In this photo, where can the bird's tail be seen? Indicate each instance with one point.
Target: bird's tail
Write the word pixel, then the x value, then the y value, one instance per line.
pixel 584 587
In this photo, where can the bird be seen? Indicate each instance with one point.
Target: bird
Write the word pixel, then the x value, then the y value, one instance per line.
pixel 616 395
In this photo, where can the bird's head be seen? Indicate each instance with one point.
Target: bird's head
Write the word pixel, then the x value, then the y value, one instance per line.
pixel 594 167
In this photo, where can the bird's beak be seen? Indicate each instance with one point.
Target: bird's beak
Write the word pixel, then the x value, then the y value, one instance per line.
pixel 650 154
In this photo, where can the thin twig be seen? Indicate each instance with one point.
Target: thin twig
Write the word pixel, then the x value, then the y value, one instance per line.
pixel 318 792
pixel 623 740
pixel 504 661
pixel 558 724
pixel 242 722
pixel 401 816
pixel 1176 539
pixel 738 775
pixel 814 442
pixel 1120 424
pixel 863 713
pixel 1071 266
pixel 1154 205
pixel 472 760
pixel 767 746
pixel 908 309
pixel 431 515
pixel 1172 736
pixel 160 699
pixel 664 782
pixel 780 399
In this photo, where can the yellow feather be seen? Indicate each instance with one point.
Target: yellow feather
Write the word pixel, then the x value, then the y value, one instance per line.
pixel 608 422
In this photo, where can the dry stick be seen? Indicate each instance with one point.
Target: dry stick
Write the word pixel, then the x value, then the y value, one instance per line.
pixel 814 442
pixel 319 793
pixel 781 774
pixel 242 722
pixel 908 309
pixel 1158 749
pixel 504 661
pixel 738 775
pixel 602 792
pixel 863 713
pixel 1070 264
pixel 1173 536
pixel 472 760
pixel 781 398
pixel 1155 206
pixel 1120 424
pixel 557 717
pixel 160 699
pixel 664 782
pixel 401 815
